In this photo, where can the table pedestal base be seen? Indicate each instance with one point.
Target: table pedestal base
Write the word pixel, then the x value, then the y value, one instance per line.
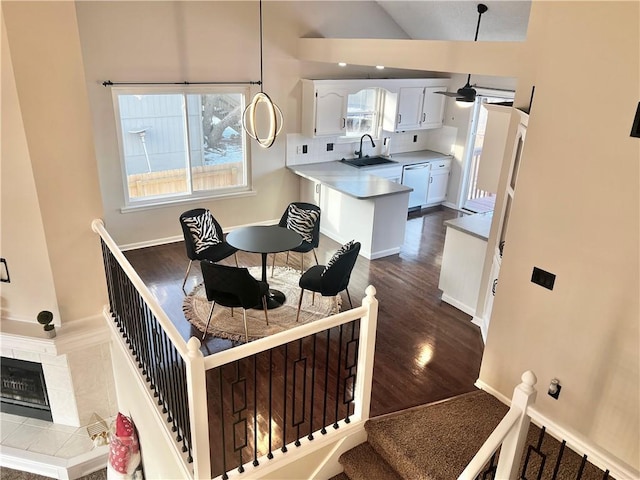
pixel 275 299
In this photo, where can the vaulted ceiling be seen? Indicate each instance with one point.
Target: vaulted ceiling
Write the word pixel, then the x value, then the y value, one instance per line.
pixel 505 20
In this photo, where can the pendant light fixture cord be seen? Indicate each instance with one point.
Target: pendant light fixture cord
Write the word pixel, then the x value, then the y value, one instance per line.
pixel 266 133
pixel 261 80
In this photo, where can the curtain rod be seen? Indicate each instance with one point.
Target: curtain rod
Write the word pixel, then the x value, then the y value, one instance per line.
pixel 109 83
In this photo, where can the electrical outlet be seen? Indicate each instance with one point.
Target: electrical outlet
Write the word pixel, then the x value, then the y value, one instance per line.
pixel 542 278
pixel 329 147
pixel 304 149
pixel 415 138
pixel 299 149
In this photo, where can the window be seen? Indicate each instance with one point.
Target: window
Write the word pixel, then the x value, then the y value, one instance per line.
pixel 181 143
pixel 362 112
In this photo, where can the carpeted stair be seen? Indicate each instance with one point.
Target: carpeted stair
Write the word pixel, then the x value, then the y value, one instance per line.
pixel 437 441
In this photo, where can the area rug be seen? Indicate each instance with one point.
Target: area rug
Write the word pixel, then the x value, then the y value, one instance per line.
pixel 196 309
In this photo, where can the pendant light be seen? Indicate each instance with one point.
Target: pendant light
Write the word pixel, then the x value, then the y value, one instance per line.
pixel 273 112
pixel 468 93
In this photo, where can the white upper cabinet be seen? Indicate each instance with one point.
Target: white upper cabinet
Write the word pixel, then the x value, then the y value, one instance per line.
pixel 409 111
pixel 324 109
pixel 415 107
pixel 409 104
pixel 432 108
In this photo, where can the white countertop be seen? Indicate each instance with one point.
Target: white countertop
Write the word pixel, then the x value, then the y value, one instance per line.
pixel 411 158
pixel 358 182
pixel 352 181
pixel 477 225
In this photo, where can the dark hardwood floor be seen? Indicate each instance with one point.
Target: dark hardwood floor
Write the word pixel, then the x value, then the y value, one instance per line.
pixel 426 350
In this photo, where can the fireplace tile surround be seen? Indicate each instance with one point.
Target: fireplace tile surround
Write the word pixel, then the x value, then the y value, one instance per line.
pixel 78 374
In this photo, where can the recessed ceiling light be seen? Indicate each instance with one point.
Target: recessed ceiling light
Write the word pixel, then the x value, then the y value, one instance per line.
pixel 380 67
pixel 342 64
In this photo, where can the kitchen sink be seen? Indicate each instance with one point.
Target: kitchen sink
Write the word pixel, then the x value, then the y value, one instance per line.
pixel 367 161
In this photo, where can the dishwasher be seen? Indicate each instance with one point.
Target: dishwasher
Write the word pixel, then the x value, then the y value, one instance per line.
pixel 417 177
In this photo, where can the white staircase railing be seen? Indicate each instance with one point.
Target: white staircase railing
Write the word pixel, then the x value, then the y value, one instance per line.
pixel 177 377
pixel 511 434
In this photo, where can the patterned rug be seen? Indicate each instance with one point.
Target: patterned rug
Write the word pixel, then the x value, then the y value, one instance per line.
pixel 196 309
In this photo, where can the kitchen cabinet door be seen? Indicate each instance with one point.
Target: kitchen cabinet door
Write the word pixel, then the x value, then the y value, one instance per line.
pixel 432 108
pixel 324 109
pixel 409 114
pixel 331 111
pixel 414 108
pixel 438 181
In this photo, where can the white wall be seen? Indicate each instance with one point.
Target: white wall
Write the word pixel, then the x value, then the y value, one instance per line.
pixel 576 219
pixel 31 288
pixel 54 112
pixel 193 41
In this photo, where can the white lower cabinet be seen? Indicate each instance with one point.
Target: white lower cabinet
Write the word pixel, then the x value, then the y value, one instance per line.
pixel 438 181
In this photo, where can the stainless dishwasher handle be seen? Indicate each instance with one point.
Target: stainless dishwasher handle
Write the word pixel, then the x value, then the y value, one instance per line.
pixel 417 167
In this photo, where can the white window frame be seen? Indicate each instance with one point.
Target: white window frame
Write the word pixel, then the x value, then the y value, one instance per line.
pixel 170 199
pixel 377 113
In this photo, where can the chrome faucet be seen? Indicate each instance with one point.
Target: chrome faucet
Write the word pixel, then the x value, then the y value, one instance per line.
pixel 359 152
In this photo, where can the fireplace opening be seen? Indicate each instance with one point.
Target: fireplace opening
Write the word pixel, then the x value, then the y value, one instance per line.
pixel 23 390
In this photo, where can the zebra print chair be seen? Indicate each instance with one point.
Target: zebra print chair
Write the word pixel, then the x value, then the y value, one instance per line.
pixel 302 218
pixel 203 239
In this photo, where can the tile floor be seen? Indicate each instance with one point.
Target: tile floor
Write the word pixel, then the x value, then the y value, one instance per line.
pixel 39 436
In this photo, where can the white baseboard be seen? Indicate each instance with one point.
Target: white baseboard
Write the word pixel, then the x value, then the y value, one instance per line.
pixel 179 238
pixel 459 305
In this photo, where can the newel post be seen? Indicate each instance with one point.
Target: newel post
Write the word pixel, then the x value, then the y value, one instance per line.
pixel 524 395
pixel 366 352
pixel 198 415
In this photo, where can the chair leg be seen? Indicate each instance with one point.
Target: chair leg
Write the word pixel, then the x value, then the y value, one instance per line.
pixel 213 304
pixel 235 257
pixel 231 311
pixel 265 308
pixel 349 297
pixel 299 305
pixel 184 282
pixel 313 298
pixel 301 263
pixel 246 332
pixel 315 256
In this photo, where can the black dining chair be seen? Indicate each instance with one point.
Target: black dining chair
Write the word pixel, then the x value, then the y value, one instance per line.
pixel 203 238
pixel 334 277
pixel 233 287
pixel 302 218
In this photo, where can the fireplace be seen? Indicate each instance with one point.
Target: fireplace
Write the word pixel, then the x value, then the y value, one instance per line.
pixel 23 390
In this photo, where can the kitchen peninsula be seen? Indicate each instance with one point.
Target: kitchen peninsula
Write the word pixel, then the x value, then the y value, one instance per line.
pixel 362 204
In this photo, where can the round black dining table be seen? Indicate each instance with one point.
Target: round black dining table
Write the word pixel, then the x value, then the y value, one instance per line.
pixel 265 239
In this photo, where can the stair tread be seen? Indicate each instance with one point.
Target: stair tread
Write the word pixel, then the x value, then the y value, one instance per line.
pixel 363 463
pixel 436 441
pixel 340 476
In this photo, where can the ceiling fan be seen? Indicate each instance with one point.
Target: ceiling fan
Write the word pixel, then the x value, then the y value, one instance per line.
pixel 468 93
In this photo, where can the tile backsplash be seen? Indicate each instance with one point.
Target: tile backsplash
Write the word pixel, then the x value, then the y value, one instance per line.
pixel 326 149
